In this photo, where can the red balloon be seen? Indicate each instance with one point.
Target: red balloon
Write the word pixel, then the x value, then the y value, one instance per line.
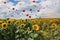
pixel 29 16
pixel 38 10
pixel 23 10
pixel 30 9
pixel 4 2
pixel 13 8
pixel 34 1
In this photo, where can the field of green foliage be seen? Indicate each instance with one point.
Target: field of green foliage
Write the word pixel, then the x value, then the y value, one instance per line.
pixel 30 29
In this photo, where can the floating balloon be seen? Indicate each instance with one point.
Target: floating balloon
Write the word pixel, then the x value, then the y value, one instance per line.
pixel 30 9
pixel 13 8
pixel 33 1
pixel 23 10
pixel 29 16
pixel 4 2
pixel 38 10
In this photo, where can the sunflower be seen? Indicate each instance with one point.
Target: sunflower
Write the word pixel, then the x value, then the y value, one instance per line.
pixel 1 19
pixel 13 20
pixel 10 22
pixel 24 20
pixel 35 27
pixel 22 25
pixel 28 29
pixel 54 25
pixel 44 24
pixel 51 21
pixel 17 22
pixel 4 25
pixel 33 21
pixel 1 22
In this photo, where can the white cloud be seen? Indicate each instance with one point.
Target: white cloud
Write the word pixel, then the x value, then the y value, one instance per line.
pixel 51 9
pixel 48 8
pixel 21 5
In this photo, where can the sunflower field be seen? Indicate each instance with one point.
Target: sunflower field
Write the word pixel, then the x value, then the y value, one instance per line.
pixel 30 29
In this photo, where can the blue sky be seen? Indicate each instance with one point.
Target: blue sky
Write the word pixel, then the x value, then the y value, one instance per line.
pixel 15 2
pixel 40 8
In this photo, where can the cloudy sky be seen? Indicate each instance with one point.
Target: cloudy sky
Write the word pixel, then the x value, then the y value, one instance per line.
pixel 29 8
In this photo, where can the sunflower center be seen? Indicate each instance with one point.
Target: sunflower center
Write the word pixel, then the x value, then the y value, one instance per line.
pixel 9 22
pixel 4 25
pixel 22 25
pixel 35 27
